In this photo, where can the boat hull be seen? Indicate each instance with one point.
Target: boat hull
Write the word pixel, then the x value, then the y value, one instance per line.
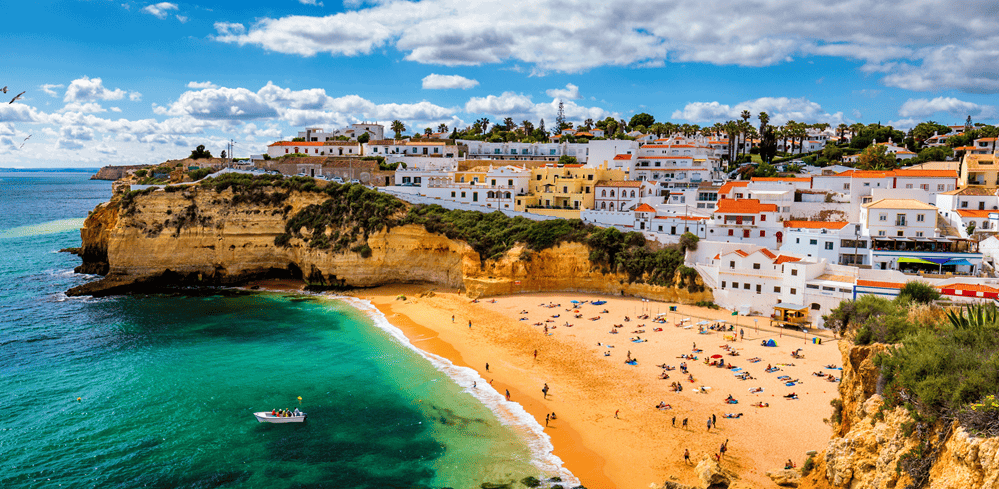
pixel 266 417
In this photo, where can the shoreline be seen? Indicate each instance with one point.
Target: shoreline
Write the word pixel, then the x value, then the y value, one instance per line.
pixel 640 446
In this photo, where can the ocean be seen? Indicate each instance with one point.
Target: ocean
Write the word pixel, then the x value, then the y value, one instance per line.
pixel 159 390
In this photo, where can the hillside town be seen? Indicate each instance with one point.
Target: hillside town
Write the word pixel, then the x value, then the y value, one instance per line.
pixel 787 224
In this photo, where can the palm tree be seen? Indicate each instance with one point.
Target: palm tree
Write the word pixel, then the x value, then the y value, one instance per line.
pixel 841 130
pixel 588 124
pixel 508 123
pixel 442 127
pixel 398 127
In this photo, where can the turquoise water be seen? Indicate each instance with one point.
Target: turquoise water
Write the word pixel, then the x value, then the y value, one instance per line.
pixel 168 382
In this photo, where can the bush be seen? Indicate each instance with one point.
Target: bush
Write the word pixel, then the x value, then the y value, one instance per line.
pixel 199 173
pixel 917 291
pixel 140 173
pixel 364 250
pixel 688 241
pixel 530 481
pixel 806 468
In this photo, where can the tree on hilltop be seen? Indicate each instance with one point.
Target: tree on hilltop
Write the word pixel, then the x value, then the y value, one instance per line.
pixel 642 119
pixel 363 138
pixel 876 157
pixel 200 152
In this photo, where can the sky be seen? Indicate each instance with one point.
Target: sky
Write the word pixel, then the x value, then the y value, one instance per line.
pixel 124 82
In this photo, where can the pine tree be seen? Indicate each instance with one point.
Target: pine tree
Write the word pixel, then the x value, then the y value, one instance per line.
pixel 560 118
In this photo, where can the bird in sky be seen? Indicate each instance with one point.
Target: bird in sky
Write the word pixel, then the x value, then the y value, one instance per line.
pixel 25 141
pixel 16 97
pixel 4 89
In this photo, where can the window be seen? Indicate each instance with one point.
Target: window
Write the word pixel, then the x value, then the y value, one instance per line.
pixel 493 182
pixel 920 217
pixel 763 217
pixel 816 306
pixel 829 289
pixel 452 195
pixel 940 187
pixel 797 240
pixel 539 177
pixel 731 264
pixel 881 232
pixel 829 245
pixel 759 289
pixel 672 230
pixel 735 285
pixel 776 289
pixel 745 233
pixel 794 271
pixel 475 196
pixel 723 284
pixel 883 217
pixel 812 286
pixel 919 234
pixel 846 186
pixel 463 195
pixel 813 241
pixel 908 185
pixel 509 183
pixel 794 291
pixel 603 193
pixel 756 266
pixel 763 234
pixel 901 233
pixel 745 286
pixel 867 184
pixel 731 232
pixel 964 204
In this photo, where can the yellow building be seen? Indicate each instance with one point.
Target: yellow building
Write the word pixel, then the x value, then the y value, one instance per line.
pixel 981 170
pixel 563 190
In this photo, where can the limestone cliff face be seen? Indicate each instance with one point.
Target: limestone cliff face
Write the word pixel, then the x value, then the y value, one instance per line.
pixel 197 236
pixel 866 448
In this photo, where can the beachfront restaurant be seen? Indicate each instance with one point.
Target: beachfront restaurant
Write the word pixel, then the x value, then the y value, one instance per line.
pixel 924 255
pixel 787 314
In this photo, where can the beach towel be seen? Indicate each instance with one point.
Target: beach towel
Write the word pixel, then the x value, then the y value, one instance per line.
pixel 789 384
pixel 770 343
pixel 737 369
pixel 633 362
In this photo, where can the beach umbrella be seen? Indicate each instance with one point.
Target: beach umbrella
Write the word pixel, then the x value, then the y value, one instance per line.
pixel 716 356
pixel 574 302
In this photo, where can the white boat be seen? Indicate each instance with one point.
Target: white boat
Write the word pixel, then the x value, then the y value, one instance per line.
pixel 267 417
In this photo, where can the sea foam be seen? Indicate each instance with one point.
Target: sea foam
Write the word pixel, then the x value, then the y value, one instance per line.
pixel 509 413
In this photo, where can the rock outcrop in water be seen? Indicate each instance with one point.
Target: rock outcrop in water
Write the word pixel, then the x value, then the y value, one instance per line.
pixel 197 236
pixel 116 172
pixel 869 443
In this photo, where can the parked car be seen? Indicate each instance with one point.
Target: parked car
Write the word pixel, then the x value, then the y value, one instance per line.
pixel 354 180
pixel 337 180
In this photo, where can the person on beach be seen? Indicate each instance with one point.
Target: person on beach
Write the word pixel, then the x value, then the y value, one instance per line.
pixel 674 421
pixel 535 354
pixel 615 413
pixel 686 456
pixel 723 449
pixel 553 415
pixel 684 423
pixel 508 394
pixel 548 417
pixel 474 385
pixel 487 366
pixel 714 420
pixel 469 324
pixel 709 424
pixel 742 334
pixel 452 318
pixel 544 390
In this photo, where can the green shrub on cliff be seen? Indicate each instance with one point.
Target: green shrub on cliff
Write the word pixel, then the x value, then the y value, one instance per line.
pixel 352 212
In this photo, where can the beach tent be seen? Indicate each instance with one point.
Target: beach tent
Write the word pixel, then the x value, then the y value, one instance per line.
pixel 770 343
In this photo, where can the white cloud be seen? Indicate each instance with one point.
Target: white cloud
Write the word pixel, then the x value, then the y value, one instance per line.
pixel 570 92
pixel 434 81
pixel 85 108
pixel 922 107
pixel 86 89
pixel 160 10
pixel 182 18
pixel 781 110
pixel 135 96
pixel 106 149
pixel 200 85
pixel 115 109
pixel 521 107
pixel 68 144
pixel 921 52
pixel 48 88
pixel 311 2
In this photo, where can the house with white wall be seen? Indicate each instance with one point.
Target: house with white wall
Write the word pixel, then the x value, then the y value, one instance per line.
pixel 745 221
pixel 837 242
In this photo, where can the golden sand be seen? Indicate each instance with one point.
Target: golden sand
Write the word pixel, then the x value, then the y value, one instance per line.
pixel 609 432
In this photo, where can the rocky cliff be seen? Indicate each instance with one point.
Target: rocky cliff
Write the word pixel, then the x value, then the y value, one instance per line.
pixel 115 172
pixel 195 235
pixel 873 446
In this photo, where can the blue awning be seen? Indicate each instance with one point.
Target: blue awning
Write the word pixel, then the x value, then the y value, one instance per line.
pixel 938 261
pixel 959 261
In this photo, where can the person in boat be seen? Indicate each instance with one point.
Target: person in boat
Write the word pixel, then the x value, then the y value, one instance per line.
pixel 274 412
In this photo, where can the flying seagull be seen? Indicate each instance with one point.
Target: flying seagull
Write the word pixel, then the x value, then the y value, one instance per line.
pixel 25 141
pixel 4 89
pixel 17 97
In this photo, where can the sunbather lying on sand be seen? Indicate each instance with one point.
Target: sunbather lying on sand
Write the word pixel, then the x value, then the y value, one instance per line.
pixel 762 404
pixel 733 415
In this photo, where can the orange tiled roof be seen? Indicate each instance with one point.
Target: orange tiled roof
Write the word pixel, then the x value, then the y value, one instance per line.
pixel 741 253
pixel 683 218
pixel 297 143
pixel 730 185
pixel 881 285
pixel 785 259
pixel 645 208
pixel 974 212
pixel 926 173
pixel 743 206
pixel 769 253
pixel 816 224
pixel 623 157
pixel 665 157
pixel 618 183
pixel 971 287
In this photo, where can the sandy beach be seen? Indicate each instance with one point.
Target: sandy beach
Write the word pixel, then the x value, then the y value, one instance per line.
pixel 639 445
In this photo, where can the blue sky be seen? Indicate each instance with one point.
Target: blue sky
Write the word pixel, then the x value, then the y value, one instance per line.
pixel 121 82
